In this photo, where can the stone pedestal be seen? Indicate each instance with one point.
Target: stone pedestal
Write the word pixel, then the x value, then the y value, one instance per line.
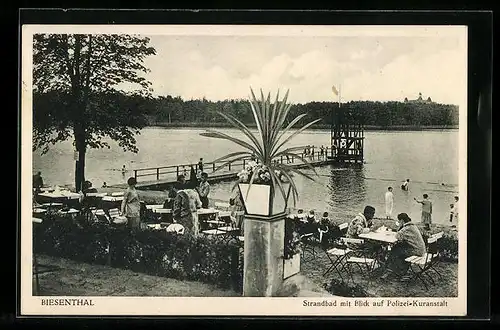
pixel 263 253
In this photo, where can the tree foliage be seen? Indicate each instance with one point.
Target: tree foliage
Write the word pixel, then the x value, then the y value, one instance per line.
pixel 89 87
pixel 384 114
pixel 80 83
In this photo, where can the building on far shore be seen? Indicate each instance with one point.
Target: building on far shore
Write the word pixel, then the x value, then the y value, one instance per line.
pixel 419 100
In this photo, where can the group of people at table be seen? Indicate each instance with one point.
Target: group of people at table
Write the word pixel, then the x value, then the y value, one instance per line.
pixel 185 200
pixel 404 242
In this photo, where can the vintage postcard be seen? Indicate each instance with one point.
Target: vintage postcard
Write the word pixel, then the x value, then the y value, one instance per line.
pixel 244 170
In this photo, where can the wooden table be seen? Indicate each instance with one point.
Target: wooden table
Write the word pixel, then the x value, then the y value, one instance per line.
pixel 70 212
pixel 39 210
pixel 112 198
pixel 153 207
pixel 162 210
pixel 53 205
pixel 98 195
pixel 207 211
pixel 60 195
pixel 387 237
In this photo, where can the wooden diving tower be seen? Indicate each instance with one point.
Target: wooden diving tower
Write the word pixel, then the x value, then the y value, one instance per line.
pixel 347 136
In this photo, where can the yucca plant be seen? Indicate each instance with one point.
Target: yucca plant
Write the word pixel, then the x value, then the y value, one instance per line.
pixel 269 144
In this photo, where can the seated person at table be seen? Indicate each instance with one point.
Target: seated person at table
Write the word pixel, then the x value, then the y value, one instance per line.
pixel 87 188
pixel 186 204
pixel 324 223
pixel 311 226
pixel 169 201
pixel 180 184
pixel 37 181
pixel 409 243
pixel 361 223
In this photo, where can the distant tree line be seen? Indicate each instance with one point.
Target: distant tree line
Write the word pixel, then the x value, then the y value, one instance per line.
pixel 175 111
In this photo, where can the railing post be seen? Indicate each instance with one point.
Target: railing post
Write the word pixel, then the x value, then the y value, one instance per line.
pixel 213 167
pixel 229 166
pixel 243 163
pixel 177 172
pixel 157 173
pixel 281 158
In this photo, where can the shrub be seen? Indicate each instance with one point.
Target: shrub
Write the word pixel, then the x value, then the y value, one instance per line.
pixel 343 289
pixel 447 246
pixel 152 252
pixel 293 244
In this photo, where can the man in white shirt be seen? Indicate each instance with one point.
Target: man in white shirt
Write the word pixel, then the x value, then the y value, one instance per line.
pixel 389 203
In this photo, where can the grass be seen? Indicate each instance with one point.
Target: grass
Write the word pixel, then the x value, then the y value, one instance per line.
pixel 376 287
pixel 80 279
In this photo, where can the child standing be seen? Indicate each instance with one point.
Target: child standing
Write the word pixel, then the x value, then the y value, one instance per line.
pixel 452 212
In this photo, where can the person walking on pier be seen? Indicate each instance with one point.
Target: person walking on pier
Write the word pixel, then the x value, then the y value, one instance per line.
pixel 426 210
pixel 131 206
pixel 204 190
pixel 389 203
pixel 200 165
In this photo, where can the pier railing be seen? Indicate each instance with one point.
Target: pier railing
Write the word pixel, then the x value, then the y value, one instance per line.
pixel 171 172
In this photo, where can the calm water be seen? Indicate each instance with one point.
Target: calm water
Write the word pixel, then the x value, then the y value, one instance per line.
pixel 427 158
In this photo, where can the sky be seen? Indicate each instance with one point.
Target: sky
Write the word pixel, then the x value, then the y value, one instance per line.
pixel 379 67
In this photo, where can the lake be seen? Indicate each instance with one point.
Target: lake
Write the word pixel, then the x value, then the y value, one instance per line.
pixel 428 158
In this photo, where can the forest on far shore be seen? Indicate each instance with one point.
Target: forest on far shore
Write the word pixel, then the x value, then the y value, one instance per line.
pixel 176 112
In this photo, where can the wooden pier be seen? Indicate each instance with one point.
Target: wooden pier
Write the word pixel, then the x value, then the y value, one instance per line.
pixel 159 178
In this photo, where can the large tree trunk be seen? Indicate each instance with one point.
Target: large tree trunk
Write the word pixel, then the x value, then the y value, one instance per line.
pixel 80 163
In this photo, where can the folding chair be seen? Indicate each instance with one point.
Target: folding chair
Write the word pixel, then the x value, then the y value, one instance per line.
pixel 343 228
pixel 435 261
pixel 222 206
pixel 115 218
pixel 101 216
pixel 308 246
pixel 421 265
pixel 338 256
pixel 358 256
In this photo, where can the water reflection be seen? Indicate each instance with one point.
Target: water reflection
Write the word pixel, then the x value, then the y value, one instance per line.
pixel 346 187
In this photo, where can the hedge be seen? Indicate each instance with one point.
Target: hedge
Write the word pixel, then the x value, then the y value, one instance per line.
pixel 157 253
pixel 343 289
